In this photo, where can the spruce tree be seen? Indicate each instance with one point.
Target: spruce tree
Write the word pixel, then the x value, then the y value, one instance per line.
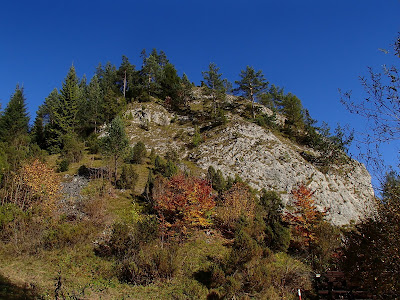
pixel 94 104
pixel 14 122
pixel 70 96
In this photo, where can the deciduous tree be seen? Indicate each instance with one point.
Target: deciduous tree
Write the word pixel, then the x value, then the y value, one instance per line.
pixel 183 202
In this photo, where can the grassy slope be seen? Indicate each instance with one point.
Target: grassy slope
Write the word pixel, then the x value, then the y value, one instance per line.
pixel 87 276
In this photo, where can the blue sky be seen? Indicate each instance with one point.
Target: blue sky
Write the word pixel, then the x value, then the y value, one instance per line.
pixel 312 48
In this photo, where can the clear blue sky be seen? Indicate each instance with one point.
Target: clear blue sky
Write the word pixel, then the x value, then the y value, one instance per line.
pixel 312 48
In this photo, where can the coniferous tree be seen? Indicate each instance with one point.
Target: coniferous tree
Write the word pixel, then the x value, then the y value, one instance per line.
pixel 94 106
pixel 293 111
pixel 251 84
pixel 53 131
pixel 114 144
pixel 170 86
pixel 70 98
pixel 214 84
pixel 113 101
pixel 127 79
pixel 15 120
pixel 185 92
pixel 151 74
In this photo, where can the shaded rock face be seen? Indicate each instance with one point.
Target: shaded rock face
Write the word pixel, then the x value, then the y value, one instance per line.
pixel 265 161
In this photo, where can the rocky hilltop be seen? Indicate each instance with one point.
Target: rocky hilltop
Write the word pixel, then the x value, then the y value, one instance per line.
pixel 259 156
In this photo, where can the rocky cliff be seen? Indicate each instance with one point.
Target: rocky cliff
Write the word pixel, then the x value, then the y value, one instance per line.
pixel 257 155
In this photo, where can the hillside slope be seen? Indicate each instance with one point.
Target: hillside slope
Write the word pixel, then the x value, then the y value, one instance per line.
pixel 259 156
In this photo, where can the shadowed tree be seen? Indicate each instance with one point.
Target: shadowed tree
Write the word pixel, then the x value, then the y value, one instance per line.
pixel 14 120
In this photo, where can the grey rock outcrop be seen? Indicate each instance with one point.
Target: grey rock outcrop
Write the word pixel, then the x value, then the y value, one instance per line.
pixel 266 161
pixel 258 156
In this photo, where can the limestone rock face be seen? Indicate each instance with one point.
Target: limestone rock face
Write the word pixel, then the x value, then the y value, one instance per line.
pixel 144 114
pixel 259 157
pixel 266 161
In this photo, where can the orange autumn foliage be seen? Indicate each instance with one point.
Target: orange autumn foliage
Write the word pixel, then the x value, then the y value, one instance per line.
pixel 183 202
pixel 34 183
pixel 305 216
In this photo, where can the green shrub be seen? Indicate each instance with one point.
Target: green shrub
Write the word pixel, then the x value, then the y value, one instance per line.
pixel 63 165
pixel 149 264
pixel 138 153
pixel 197 138
pixel 128 178
pixel 172 155
pixel 93 144
pixel 72 148
pixel 66 234
pixel 165 168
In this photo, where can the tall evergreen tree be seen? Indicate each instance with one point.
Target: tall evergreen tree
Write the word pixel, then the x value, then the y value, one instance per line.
pixel 14 121
pixel 94 104
pixel 170 86
pixel 70 97
pixel 113 100
pixel 251 84
pixel 49 114
pixel 127 79
pixel 151 73
pixel 214 84
pixel 273 97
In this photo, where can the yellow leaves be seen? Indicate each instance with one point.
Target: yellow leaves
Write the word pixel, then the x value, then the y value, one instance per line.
pixel 236 201
pixel 34 183
pixel 41 180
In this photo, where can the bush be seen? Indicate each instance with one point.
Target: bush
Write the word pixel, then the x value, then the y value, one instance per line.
pixel 93 144
pixel 128 178
pixel 72 148
pixel 149 264
pixel 165 168
pixel 63 165
pixel 236 202
pixel 66 234
pixel 84 171
pixel 138 153
pixel 197 138
pixel 172 155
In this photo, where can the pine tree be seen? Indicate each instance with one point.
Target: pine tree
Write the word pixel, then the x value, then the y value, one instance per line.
pixel 170 86
pixel 14 122
pixel 251 84
pixel 214 83
pixel 114 144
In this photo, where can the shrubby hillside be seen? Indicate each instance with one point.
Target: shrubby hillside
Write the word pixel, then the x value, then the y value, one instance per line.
pixel 139 184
